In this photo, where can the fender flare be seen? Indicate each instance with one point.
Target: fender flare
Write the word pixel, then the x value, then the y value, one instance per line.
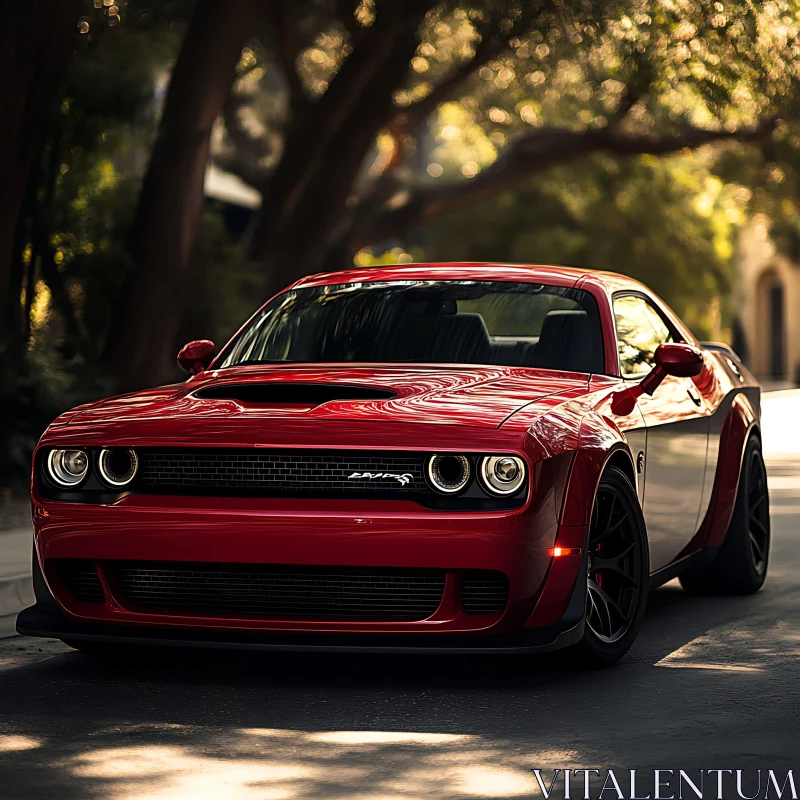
pixel 598 445
pixel 741 423
pixel 563 595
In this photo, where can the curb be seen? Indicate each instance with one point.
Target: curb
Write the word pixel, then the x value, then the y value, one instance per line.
pixel 16 592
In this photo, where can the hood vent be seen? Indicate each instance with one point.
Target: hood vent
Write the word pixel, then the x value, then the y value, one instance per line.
pixel 277 393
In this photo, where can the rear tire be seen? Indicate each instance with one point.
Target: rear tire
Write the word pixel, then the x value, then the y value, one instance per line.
pixel 741 565
pixel 618 573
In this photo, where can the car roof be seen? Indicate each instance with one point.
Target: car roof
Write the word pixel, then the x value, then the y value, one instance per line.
pixel 460 270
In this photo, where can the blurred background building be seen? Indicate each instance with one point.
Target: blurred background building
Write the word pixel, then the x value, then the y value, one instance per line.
pixel 767 303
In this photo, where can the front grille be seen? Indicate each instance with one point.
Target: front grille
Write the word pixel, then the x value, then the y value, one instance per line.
pixel 281 472
pixel 279 591
pixel 484 592
pixel 82 580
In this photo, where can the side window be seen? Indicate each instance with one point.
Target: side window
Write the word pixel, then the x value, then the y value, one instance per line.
pixel 640 330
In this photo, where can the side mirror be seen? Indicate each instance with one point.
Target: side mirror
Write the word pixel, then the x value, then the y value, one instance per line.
pixel 680 360
pixel 196 356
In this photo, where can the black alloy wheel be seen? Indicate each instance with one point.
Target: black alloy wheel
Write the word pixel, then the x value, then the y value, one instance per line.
pixel 617 572
pixel 615 578
pixel 758 512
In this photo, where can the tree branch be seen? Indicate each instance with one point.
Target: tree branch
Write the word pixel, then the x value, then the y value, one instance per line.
pixel 492 42
pixel 341 124
pixel 494 38
pixel 540 150
pixel 637 87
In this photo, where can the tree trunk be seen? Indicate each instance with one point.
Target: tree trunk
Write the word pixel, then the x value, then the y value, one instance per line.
pixel 142 347
pixel 36 41
pixel 305 199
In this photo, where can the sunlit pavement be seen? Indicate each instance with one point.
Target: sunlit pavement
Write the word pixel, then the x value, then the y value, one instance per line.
pixel 712 683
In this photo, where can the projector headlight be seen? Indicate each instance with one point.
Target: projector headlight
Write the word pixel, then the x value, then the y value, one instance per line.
pixel 117 466
pixel 502 474
pixel 447 473
pixel 67 467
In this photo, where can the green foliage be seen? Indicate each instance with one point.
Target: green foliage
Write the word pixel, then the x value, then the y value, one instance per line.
pixel 669 223
pixel 584 64
pixel 33 391
pixel 91 247
pixel 772 178
pixel 84 189
pixel 102 138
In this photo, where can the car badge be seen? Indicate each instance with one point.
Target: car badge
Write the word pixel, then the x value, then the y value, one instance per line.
pixel 403 479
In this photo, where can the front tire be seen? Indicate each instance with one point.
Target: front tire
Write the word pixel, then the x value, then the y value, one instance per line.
pixel 618 573
pixel 741 565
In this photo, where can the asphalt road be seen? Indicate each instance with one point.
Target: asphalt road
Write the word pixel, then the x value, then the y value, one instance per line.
pixel 711 683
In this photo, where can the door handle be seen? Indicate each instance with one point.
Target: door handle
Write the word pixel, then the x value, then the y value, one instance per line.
pixel 694 398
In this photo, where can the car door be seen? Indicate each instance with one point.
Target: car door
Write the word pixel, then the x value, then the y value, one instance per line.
pixel 677 426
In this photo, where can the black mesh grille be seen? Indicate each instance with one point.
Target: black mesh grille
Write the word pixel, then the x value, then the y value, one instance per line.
pixel 484 592
pixel 281 472
pixel 82 580
pixel 280 591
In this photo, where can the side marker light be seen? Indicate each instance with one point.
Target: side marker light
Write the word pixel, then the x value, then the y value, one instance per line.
pixel 556 552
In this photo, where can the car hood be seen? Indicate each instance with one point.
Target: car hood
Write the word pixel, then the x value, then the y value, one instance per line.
pixel 481 396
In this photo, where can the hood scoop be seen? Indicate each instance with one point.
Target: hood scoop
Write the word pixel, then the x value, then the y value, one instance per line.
pixel 291 393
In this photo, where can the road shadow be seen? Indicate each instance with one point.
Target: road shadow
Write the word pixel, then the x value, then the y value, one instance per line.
pixel 673 618
pixel 705 685
pixel 211 724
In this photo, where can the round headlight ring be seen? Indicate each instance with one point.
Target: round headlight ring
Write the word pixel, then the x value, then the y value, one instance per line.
pixel 67 467
pixel 502 475
pixel 448 473
pixel 117 465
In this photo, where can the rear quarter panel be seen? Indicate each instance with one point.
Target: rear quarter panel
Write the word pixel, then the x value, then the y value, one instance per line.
pixel 733 397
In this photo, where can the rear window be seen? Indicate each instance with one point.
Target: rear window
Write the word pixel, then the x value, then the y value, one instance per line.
pixel 427 322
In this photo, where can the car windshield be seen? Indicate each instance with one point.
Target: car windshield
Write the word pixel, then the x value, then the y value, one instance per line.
pixel 428 322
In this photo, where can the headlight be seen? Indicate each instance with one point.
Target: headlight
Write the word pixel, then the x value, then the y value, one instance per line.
pixel 502 474
pixel 448 473
pixel 117 466
pixel 67 467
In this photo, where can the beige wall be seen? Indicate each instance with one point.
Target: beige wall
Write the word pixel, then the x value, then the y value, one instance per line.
pixel 760 267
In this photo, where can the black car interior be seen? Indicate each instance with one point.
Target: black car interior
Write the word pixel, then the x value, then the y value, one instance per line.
pixel 566 341
pixel 529 328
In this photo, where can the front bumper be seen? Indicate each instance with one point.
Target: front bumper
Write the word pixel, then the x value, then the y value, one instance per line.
pixel 48 621
pixel 323 533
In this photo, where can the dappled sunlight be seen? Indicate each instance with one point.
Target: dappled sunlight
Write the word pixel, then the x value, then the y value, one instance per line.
pixel 278 764
pixel 24 651
pixel 679 664
pixel 10 743
pixel 175 772
pixel 384 737
pixel 488 782
pixel 756 648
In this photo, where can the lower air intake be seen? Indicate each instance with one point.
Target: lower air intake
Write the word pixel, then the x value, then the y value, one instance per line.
pixel 269 591
pixel 484 592
pixel 82 580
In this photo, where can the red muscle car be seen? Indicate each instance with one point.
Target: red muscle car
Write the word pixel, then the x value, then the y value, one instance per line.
pixel 426 457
